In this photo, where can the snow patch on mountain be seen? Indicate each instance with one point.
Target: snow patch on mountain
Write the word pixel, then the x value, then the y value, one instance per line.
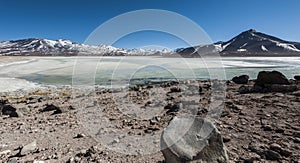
pixel 226 45
pixel 264 48
pixel 242 50
pixel 67 47
pixel 289 47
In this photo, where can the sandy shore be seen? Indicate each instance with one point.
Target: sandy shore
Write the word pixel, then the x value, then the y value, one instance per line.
pixel 123 125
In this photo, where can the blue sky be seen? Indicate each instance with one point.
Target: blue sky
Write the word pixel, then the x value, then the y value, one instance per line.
pixel 75 20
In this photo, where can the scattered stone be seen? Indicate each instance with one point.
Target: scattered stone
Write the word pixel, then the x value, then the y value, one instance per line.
pixel 297 77
pixel 57 111
pixel 297 134
pixel 274 77
pixel 136 88
pixel 283 88
pixel 192 139
pixel 254 119
pixel 3 102
pixel 226 139
pixel 267 128
pixel 175 89
pixel 244 89
pixel 252 159
pixel 10 111
pixel 115 141
pixel 173 108
pixel 272 155
pixel 277 148
pixel 243 79
pixel 85 153
pixel 50 107
pixel 31 147
pixel 258 88
pixel 79 136
pixel 155 120
pixel 279 130
pixel 71 160
pixel 297 140
pixel 297 93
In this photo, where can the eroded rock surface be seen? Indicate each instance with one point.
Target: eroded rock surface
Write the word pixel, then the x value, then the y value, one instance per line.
pixel 190 139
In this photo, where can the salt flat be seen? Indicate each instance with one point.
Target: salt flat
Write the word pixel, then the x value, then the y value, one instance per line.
pixel 103 70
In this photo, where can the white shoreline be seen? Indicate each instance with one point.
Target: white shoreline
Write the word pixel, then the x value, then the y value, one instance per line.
pixel 14 84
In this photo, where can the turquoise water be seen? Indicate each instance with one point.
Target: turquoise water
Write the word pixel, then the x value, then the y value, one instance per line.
pixel 124 70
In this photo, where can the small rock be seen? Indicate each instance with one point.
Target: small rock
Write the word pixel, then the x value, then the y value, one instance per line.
pixel 115 141
pixel 57 111
pixel 297 93
pixel 283 88
pixel 296 134
pixel 279 130
pixel 243 79
pixel 173 108
pixel 79 136
pixel 257 88
pixel 175 89
pixel 256 148
pixel 226 139
pixel 31 147
pixel 244 89
pixel 297 140
pixel 277 148
pixel 81 153
pixel 50 107
pixel 267 128
pixel 254 157
pixel 297 77
pixel 10 111
pixel 155 120
pixel 272 155
pixel 286 153
pixel 71 160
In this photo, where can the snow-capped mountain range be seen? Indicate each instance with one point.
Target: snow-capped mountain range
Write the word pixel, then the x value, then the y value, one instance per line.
pixel 249 42
pixel 44 47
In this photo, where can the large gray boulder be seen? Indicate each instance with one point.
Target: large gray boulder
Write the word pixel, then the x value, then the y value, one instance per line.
pixel 190 139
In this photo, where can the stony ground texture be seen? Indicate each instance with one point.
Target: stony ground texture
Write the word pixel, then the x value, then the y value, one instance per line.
pixel 101 125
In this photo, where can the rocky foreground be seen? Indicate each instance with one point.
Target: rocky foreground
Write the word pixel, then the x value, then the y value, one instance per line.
pixel 259 120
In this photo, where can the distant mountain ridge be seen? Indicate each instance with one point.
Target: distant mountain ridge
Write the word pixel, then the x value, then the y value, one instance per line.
pixel 44 47
pixel 247 43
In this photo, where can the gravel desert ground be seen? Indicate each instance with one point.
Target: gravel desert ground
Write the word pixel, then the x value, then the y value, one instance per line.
pixel 52 125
